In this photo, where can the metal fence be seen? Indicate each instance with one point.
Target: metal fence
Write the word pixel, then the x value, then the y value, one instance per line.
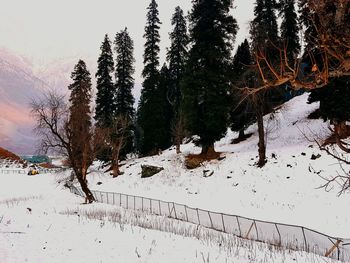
pixel 12 171
pixel 25 171
pixel 283 235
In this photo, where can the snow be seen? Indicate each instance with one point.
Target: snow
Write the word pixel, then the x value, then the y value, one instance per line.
pixel 41 221
pixel 46 233
pixel 286 190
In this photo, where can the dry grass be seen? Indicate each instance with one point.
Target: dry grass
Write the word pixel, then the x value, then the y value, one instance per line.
pixel 17 200
pixel 231 245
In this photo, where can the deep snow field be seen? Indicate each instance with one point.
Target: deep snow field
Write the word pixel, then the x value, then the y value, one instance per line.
pixel 42 222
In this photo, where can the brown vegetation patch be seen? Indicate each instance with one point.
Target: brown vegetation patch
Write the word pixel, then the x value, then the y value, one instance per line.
pixel 5 154
pixel 193 161
pixel 48 165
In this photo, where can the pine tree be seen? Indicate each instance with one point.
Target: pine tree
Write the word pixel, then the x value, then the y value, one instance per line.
pixel 264 34
pixel 124 70
pixel 242 113
pixel 307 20
pixel 105 98
pixel 149 110
pixel 264 28
pixel 206 82
pixel 290 30
pixel 177 56
pixel 79 124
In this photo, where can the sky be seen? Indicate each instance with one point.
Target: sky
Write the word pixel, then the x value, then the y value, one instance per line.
pixel 47 30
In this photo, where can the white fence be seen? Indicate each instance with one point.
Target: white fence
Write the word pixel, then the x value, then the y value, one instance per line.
pixel 287 236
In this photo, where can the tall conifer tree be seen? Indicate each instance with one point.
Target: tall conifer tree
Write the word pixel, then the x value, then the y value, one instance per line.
pixel 264 34
pixel 177 56
pixel 124 70
pixel 149 110
pixel 80 124
pixel 290 29
pixel 206 82
pixel 242 113
pixel 105 98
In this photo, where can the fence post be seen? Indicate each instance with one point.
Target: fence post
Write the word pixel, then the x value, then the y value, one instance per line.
pixel 174 210
pixel 113 198
pixel 199 221
pixel 239 227
pixel 211 221
pixel 223 223
pixel 279 234
pixel 160 211
pixel 186 212
pixel 142 203
pixel 101 197
pixel 107 198
pixel 256 229
pixel 306 248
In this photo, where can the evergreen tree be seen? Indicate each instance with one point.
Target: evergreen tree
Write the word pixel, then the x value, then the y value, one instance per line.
pixel 124 70
pixel 79 125
pixel 290 29
pixel 206 83
pixel 242 113
pixel 105 98
pixel 264 34
pixel 306 20
pixel 264 28
pixel 149 110
pixel 334 100
pixel 177 56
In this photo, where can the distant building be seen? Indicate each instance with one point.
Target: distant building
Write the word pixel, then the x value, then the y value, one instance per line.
pixel 37 159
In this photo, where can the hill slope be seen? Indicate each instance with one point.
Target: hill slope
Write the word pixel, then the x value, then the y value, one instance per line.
pixel 285 190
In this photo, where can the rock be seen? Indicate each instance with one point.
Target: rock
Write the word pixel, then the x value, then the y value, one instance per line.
pixel 207 173
pixel 149 170
pixel 303 154
pixel 221 158
pixel 99 183
pixel 314 157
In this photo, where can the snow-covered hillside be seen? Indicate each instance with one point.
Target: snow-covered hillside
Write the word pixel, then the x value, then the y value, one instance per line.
pixel 41 221
pixel 284 191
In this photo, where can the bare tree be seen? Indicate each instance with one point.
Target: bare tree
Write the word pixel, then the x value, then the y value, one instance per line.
pixel 52 116
pixel 331 19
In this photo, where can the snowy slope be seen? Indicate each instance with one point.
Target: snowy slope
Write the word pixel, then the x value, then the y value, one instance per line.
pixel 284 191
pixel 40 222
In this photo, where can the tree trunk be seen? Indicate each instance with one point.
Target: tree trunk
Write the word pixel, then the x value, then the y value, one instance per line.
pixel 208 149
pixel 115 157
pixel 83 183
pixel 261 144
pixel 178 149
pixel 241 135
pixel 341 131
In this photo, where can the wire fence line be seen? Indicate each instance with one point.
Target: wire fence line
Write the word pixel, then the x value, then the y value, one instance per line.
pixel 25 171
pixel 283 235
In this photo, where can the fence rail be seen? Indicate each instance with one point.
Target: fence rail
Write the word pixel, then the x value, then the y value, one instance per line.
pixel 284 235
pixel 24 171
